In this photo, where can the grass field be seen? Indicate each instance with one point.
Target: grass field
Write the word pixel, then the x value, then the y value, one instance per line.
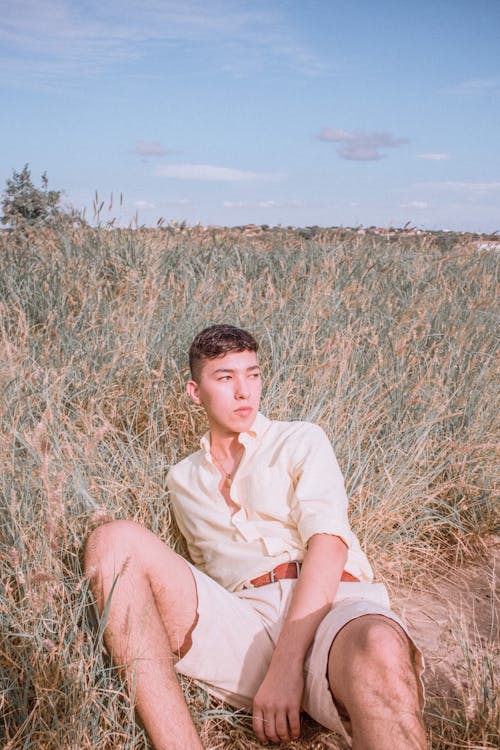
pixel 388 342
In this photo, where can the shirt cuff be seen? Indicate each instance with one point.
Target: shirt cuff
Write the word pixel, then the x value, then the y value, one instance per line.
pixel 310 526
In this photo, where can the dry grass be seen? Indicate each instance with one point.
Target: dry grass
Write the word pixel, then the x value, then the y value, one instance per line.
pixel 388 342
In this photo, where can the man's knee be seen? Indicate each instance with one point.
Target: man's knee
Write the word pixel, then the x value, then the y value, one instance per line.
pixel 380 642
pixel 370 652
pixel 111 542
pixel 371 645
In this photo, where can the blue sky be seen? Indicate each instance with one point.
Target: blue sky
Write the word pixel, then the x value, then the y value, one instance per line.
pixel 279 112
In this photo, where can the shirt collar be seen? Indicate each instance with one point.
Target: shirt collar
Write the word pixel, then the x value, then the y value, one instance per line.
pixel 259 426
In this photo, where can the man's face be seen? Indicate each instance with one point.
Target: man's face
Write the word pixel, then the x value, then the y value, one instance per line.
pixel 229 389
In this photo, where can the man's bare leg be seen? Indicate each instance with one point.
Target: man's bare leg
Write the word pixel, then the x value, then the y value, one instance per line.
pixel 152 612
pixel 371 674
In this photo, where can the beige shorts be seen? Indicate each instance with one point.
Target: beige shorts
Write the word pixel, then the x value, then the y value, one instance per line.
pixel 234 639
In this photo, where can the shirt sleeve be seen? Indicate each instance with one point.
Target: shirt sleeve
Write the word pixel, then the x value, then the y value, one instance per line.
pixel 319 504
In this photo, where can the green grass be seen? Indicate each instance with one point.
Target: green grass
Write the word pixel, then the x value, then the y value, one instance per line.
pixel 388 342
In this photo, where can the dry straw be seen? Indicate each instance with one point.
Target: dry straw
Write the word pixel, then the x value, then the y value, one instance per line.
pixel 388 342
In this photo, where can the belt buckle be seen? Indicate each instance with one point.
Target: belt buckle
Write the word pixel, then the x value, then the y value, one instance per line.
pixel 297 566
pixel 272 576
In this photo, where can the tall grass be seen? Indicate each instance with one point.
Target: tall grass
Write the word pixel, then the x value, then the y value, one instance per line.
pixel 388 343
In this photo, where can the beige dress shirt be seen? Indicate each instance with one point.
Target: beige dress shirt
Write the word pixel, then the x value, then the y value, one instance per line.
pixel 288 486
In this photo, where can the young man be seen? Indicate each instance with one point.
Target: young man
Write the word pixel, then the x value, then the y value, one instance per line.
pixel 278 612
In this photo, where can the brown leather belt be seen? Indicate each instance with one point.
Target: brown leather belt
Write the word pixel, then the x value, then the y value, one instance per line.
pixel 290 570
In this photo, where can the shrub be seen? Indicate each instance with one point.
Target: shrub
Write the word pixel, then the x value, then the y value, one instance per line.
pixel 25 204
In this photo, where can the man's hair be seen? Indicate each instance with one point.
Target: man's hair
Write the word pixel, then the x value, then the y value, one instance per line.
pixel 217 340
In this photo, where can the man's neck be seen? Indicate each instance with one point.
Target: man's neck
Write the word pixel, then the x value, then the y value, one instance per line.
pixel 224 445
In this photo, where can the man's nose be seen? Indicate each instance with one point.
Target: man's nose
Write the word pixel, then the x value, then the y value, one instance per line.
pixel 241 389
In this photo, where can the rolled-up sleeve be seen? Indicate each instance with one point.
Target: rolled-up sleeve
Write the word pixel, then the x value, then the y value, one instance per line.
pixel 319 503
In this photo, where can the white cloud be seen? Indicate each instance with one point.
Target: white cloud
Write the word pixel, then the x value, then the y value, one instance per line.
pixel 465 187
pixel 434 157
pixel 261 204
pixel 337 134
pixel 415 204
pixel 56 39
pixel 360 146
pixel 478 86
pixel 144 204
pixel 212 173
pixel 59 32
pixel 150 148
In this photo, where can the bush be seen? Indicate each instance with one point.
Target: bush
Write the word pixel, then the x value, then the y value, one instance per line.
pixel 25 204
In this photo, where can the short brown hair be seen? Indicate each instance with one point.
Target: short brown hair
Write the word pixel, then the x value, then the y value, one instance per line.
pixel 217 340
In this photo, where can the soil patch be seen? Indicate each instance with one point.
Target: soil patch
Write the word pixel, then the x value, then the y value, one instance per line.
pixel 455 621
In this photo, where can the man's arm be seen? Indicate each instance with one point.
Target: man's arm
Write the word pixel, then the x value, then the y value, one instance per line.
pixel 276 707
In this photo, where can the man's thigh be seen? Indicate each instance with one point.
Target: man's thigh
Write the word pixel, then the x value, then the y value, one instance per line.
pixel 127 559
pixel 231 648
pixel 355 600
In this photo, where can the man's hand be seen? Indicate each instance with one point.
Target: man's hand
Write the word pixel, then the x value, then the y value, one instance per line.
pixel 276 706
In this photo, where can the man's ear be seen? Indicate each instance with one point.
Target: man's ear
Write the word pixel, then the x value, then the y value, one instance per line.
pixel 193 391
